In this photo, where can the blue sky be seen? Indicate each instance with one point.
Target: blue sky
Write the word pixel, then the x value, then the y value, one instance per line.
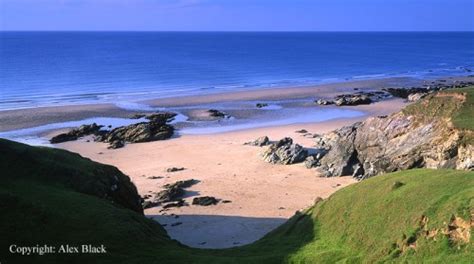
pixel 238 15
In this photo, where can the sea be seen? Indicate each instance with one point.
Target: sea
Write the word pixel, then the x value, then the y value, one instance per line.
pixel 60 68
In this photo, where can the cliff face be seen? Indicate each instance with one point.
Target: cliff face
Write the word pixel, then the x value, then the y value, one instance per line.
pixel 400 141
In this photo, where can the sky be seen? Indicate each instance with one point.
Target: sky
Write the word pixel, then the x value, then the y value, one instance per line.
pixel 238 15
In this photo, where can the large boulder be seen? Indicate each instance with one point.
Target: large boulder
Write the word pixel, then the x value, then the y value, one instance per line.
pixel 285 152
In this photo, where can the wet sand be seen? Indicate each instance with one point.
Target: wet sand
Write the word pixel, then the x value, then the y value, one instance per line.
pixel 31 117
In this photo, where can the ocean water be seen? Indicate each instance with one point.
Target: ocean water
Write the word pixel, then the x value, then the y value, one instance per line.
pixel 57 68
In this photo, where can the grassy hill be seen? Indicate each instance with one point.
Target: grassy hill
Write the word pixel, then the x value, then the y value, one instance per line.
pixel 455 105
pixel 411 216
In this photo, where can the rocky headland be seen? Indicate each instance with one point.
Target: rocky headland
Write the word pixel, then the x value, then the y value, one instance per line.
pixel 431 133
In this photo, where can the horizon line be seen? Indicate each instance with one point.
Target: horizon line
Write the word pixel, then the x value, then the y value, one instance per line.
pixel 243 31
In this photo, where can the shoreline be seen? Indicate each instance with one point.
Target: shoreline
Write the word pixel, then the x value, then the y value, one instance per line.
pixel 30 117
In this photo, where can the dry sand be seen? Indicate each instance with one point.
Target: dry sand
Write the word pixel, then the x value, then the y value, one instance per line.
pixel 262 195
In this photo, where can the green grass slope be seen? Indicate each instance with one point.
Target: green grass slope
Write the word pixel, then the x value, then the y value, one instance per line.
pixel 60 167
pixel 412 216
pixel 455 105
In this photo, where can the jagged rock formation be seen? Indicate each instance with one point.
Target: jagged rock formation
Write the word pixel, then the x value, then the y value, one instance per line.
pixel 217 114
pixel 76 133
pixel 391 143
pixel 140 132
pixel 285 152
pixel 156 129
pixel 259 142
pixel 357 98
pixel 172 193
pixel 205 201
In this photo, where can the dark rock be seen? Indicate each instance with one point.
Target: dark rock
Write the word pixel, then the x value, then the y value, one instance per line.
pixel 285 152
pixel 405 92
pixel 302 131
pixel 259 142
pixel 170 194
pixel 175 169
pixel 161 117
pixel 182 184
pixel 261 105
pixel 173 193
pixel 217 113
pixel 156 129
pixel 226 201
pixel 155 177
pixel 116 144
pixel 140 132
pixel 76 133
pixel 311 162
pixel 352 100
pixel 179 203
pixel 205 201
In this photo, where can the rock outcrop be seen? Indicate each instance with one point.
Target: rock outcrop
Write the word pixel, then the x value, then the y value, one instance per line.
pixel 205 201
pixel 217 114
pixel 386 144
pixel 414 97
pixel 259 142
pixel 137 133
pixel 77 133
pixel 426 89
pixel 285 152
pixel 358 98
pixel 171 196
pixel 156 129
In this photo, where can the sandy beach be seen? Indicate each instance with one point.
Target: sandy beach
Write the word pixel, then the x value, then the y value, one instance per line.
pixel 259 196
pixel 262 195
